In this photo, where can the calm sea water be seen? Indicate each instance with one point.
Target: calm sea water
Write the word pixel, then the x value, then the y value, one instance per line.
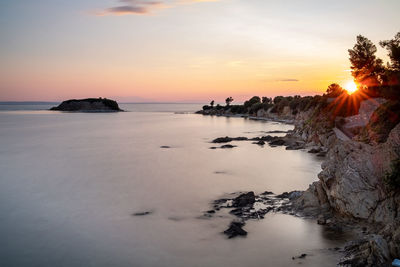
pixel 69 183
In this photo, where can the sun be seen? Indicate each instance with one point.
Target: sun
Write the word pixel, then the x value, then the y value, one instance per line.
pixel 350 87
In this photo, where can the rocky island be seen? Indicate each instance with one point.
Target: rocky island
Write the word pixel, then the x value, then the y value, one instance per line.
pixel 89 105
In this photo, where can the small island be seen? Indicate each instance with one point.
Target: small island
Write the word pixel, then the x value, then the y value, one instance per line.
pixel 89 105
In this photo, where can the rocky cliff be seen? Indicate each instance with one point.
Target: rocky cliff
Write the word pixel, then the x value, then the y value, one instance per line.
pixel 352 188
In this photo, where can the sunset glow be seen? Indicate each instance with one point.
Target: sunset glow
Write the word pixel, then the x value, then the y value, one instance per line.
pixel 350 87
pixel 180 51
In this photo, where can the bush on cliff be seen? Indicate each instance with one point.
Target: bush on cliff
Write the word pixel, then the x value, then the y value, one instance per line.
pixel 392 179
pixel 382 121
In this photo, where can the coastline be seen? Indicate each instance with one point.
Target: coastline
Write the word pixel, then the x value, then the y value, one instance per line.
pixel 377 236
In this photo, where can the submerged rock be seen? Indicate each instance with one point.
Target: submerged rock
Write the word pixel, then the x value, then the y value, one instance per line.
pixel 142 213
pixel 302 256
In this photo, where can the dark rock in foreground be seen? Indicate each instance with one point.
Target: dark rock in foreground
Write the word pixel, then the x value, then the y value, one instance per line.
pixel 369 251
pixel 88 105
pixel 244 200
pixel 235 229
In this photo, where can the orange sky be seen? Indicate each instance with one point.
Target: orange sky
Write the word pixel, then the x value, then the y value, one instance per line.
pixel 191 51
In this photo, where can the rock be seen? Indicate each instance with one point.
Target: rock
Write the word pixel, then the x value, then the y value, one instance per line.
pixel 369 251
pixel 314 150
pixel 227 146
pixel 165 147
pixel 142 213
pixel 321 220
pixel 321 154
pixel 277 142
pixel 265 138
pixel 302 256
pixel 88 105
pixel 283 195
pixel 267 193
pixel 260 143
pixel 222 140
pixel 229 139
pixel 235 229
pixel 244 200
pixel 277 131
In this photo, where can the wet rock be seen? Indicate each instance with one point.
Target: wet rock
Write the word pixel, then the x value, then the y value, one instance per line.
pixel 277 142
pixel 142 213
pixel 369 251
pixel 227 139
pixel 265 138
pixel 321 220
pixel 227 146
pixel 283 195
pixel 314 150
pixel 244 200
pixel 267 193
pixel 302 256
pixel 235 229
pixel 277 131
pixel 321 154
pixel 260 143
pixel 165 147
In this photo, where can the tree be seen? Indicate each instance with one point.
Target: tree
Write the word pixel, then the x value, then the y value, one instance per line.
pixel 228 101
pixel 252 101
pixel 334 90
pixel 278 99
pixel 212 103
pixel 393 47
pixel 266 100
pixel 366 67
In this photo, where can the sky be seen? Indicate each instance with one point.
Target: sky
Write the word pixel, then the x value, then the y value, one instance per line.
pixel 182 50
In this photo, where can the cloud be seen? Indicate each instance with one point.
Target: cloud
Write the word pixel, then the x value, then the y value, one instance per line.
pixel 142 7
pixel 131 7
pixel 288 80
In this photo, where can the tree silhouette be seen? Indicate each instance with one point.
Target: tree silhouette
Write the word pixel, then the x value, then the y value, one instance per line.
pixel 393 47
pixel 228 101
pixel 366 67
pixel 266 100
pixel 334 90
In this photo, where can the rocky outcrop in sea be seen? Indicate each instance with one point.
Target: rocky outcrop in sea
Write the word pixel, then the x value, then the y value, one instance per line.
pixel 88 105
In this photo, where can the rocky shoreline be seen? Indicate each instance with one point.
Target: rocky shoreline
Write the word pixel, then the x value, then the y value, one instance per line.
pixel 350 193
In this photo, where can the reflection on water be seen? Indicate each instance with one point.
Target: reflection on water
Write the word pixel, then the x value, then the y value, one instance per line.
pixel 70 183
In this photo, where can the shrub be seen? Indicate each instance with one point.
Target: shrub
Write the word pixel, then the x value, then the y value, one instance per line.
pixel 392 179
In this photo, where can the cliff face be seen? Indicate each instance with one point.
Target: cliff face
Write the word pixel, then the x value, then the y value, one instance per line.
pixel 89 105
pixel 352 179
pixel 351 186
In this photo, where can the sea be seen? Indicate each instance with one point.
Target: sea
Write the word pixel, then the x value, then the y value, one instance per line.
pixel 70 184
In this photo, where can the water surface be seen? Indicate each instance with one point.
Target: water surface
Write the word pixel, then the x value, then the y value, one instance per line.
pixel 70 182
